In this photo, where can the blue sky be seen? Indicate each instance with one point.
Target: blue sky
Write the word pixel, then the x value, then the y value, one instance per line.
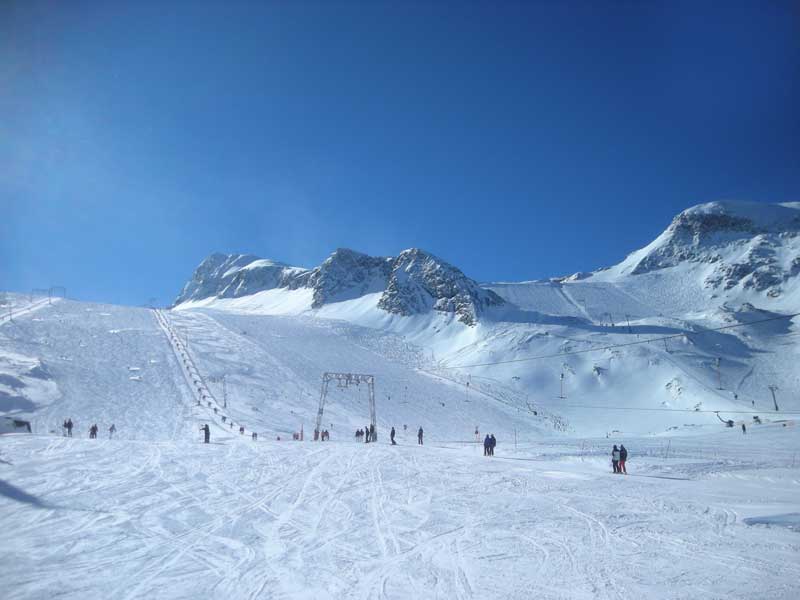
pixel 515 140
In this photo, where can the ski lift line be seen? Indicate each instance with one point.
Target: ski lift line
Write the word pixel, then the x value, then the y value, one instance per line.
pixel 621 345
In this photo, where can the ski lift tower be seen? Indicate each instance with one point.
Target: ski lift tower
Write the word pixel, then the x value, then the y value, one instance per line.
pixel 344 380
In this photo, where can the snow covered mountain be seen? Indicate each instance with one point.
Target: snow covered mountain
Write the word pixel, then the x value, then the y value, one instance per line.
pixel 733 245
pixel 716 264
pixel 412 283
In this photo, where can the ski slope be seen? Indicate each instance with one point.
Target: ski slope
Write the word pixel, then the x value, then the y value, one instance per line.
pixel 240 519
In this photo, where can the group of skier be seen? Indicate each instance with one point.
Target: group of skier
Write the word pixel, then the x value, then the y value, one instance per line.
pixel 489 442
pixel 618 458
pixel 368 433
pixel 67 426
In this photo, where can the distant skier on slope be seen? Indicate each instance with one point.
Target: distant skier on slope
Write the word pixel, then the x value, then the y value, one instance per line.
pixel 93 432
pixel 492 445
pixel 391 437
pixel 615 459
pixel 366 434
pixel 744 429
pixel 206 433
pixel 487 442
pixel 372 436
pixel 111 431
pixel 64 428
pixel 623 456
pixel 69 427
pixel 419 436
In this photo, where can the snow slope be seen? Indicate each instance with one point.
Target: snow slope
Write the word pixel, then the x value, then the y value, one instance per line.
pixel 127 519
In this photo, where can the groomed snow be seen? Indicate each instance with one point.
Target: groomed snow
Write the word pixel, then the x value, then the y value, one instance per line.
pixel 240 519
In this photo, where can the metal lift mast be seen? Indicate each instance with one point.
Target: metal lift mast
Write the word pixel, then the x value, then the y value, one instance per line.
pixel 344 380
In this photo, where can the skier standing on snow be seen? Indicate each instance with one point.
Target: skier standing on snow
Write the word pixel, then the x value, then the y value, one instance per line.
pixel 615 459
pixel 487 442
pixel 206 433
pixel 623 456
pixel 744 429
pixel 372 436
pixel 366 434
pixel 492 444
pixel 111 431
pixel 64 428
pixel 419 436
pixel 391 436
pixel 69 427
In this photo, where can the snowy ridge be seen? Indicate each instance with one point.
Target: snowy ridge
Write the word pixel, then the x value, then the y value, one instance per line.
pixel 732 245
pixel 414 282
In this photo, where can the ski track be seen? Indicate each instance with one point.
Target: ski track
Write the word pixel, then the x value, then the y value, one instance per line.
pixel 333 520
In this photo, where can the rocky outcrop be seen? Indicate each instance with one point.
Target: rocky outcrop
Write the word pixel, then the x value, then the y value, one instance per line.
pixel 413 283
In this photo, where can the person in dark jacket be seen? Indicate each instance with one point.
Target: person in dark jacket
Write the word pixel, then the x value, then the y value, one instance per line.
pixel 623 456
pixel 744 429
pixel 487 443
pixel 391 437
pixel 492 445
pixel 372 436
pixel 111 431
pixel 419 436
pixel 93 431
pixel 69 427
pixel 615 459
pixel 206 433
pixel 366 434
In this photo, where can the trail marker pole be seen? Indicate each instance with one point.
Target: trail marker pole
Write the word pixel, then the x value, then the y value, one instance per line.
pixel 562 386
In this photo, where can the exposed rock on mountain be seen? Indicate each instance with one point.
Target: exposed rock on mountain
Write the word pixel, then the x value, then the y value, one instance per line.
pixel 420 282
pixel 754 246
pixel 413 283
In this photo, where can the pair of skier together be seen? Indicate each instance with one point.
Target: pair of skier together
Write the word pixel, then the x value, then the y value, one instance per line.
pixel 489 442
pixel 618 458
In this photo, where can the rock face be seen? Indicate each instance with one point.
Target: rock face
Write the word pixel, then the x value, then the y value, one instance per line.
pixel 749 245
pixel 413 283
pixel 420 281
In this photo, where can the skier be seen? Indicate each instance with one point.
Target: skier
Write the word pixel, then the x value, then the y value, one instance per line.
pixel 391 437
pixel 64 428
pixel 111 431
pixel 241 430
pixel 487 442
pixel 623 456
pixel 93 432
pixel 419 436
pixel 69 427
pixel 254 436
pixel 615 459
pixel 492 445
pixel 206 433
pixel 744 429
pixel 477 434
pixel 366 435
pixel 372 436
